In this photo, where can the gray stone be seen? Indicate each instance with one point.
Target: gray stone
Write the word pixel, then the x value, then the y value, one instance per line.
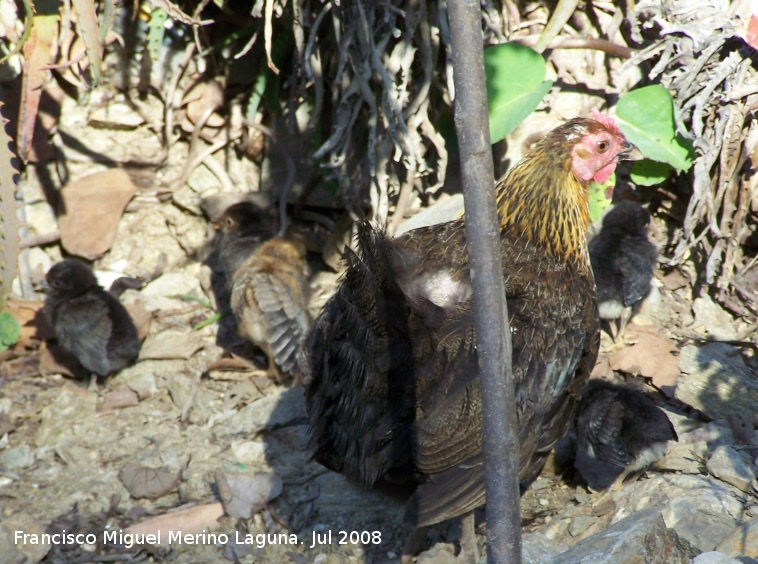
pixel 703 512
pixel 714 320
pixel 714 557
pixel 64 418
pixel 270 411
pixel 715 381
pixel 726 464
pixel 641 537
pixel 536 548
pixel 172 284
pixel 26 552
pixel 742 541
pixel 439 553
pixel 17 458
pixel 581 523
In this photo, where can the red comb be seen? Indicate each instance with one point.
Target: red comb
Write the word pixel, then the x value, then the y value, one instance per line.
pixel 605 120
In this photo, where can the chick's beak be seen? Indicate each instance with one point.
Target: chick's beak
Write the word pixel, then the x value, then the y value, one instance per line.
pixel 42 287
pixel 631 153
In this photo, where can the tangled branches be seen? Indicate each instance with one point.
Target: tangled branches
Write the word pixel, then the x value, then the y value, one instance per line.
pixel 714 78
pixel 374 69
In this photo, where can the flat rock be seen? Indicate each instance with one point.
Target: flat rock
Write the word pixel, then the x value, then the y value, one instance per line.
pixel 726 464
pixel 714 320
pixel 268 412
pixel 173 284
pixel 703 513
pixel 742 541
pixel 713 557
pixel 63 418
pixel 641 537
pixel 536 548
pixel 17 458
pixel 26 552
pixel 716 382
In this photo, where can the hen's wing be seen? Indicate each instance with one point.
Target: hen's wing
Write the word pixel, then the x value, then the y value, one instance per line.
pixel 86 331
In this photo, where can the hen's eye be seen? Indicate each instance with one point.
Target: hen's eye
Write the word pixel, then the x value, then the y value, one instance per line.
pixel 602 146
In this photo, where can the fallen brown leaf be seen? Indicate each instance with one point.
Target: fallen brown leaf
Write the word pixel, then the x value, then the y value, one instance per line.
pixel 141 317
pixel 148 483
pixel 92 209
pixel 123 396
pixel 171 345
pixel 652 355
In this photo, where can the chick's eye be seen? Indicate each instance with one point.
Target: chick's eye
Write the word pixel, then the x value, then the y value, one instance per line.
pixel 602 146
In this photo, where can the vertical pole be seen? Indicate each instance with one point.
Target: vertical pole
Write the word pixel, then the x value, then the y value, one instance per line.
pixel 500 427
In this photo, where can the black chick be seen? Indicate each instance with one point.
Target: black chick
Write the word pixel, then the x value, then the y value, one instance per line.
pixel 88 322
pixel 623 259
pixel 622 427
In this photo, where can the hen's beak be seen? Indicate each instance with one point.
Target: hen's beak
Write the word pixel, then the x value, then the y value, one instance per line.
pixel 631 153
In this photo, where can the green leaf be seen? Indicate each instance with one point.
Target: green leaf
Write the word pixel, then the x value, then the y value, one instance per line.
pixel 649 173
pixel 601 196
pixel 515 76
pixel 646 117
pixel 9 330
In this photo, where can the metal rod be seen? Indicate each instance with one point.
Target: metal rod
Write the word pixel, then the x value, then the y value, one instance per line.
pixel 500 427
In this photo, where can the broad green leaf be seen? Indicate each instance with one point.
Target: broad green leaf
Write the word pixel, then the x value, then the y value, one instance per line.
pixel 601 196
pixel 649 173
pixel 646 117
pixel 9 330
pixel 516 84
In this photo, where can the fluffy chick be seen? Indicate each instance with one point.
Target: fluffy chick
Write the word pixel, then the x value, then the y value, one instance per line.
pixel 623 259
pixel 88 322
pixel 242 228
pixel 622 427
pixel 270 301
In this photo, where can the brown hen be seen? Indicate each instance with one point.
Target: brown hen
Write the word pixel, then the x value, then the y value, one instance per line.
pixel 393 392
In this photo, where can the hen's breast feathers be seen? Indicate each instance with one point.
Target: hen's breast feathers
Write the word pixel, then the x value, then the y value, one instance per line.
pixel 396 348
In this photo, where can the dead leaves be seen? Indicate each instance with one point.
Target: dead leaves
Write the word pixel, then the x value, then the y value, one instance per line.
pixel 143 482
pixel 168 345
pixel 652 355
pixel 92 209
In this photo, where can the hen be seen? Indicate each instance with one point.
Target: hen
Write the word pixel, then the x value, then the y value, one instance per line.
pixel 267 278
pixel 390 366
pixel 621 427
pixel 623 260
